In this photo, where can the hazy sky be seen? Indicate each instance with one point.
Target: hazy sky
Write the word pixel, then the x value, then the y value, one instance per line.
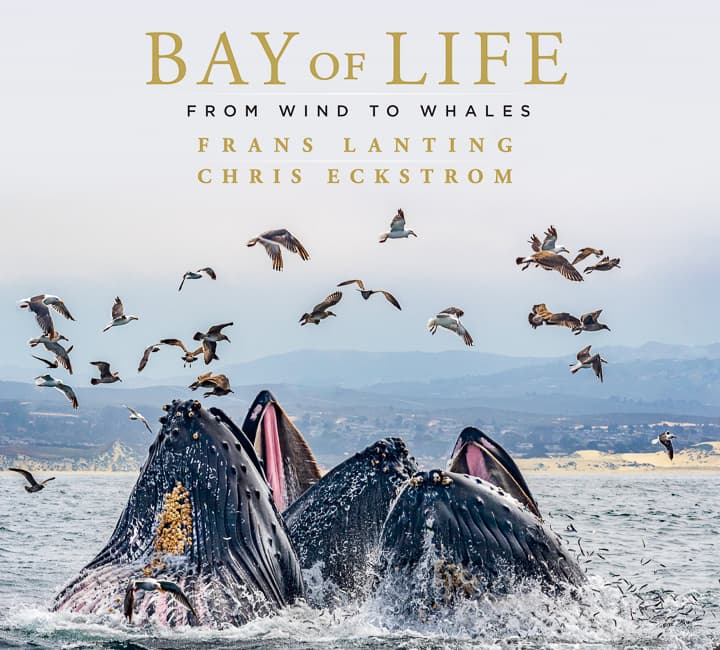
pixel 99 198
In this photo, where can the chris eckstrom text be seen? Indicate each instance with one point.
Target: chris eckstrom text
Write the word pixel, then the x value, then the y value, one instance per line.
pixel 385 160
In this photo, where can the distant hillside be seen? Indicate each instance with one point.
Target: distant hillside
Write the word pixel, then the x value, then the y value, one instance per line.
pixel 343 401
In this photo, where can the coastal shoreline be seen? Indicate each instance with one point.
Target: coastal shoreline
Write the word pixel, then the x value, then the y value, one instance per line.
pixel 703 458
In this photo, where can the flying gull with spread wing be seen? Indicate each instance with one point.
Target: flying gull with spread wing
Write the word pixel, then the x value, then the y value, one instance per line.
pixel 321 310
pixel 118 316
pixel 587 360
pixel 366 293
pixel 196 275
pixel 48 381
pixel 271 240
pixel 450 320
pixel 34 485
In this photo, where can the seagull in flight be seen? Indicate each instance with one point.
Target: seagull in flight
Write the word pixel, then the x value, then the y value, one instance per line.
pixel 118 316
pixel 39 305
pixel 151 584
pixel 135 415
pixel 196 275
pixel 106 376
pixel 273 239
pixel 450 319
pixel 34 485
pixel 665 439
pixel 397 228
pixel 48 381
pixel 587 360
pixel 210 339
pixel 366 293
pixel 321 310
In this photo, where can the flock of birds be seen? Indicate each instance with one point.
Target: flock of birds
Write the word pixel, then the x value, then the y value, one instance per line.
pixel 205 343
pixel 545 254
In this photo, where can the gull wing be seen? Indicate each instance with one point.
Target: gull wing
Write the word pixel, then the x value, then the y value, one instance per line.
pixel 61 309
pixel 42 316
pixel 550 238
pixel 398 222
pixel 176 342
pixel 288 240
pixel 61 355
pixel 146 355
pixel 390 298
pixel 558 263
pixel 102 366
pixel 118 310
pixel 208 348
pixel 358 282
pixel 69 393
pixel 216 329
pixel 332 299
pixel 30 478
pixel 273 251
pixel 564 319
pixel 177 594
pixel 584 354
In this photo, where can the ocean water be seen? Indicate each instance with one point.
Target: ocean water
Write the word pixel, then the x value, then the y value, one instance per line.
pixel 650 546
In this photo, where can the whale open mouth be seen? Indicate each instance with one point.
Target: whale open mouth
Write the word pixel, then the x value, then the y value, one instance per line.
pixel 290 466
pixel 478 455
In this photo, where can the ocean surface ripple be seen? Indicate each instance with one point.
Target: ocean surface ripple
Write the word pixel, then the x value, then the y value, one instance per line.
pixel 649 544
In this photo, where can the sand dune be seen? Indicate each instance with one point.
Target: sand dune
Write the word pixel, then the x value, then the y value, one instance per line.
pixel 704 456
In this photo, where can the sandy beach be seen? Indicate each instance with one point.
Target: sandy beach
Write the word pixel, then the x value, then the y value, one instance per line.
pixel 703 457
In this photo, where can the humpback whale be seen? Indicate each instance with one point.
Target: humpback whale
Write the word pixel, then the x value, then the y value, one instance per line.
pixel 473 530
pixel 337 522
pixel 289 463
pixel 451 534
pixel 202 542
pixel 202 517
